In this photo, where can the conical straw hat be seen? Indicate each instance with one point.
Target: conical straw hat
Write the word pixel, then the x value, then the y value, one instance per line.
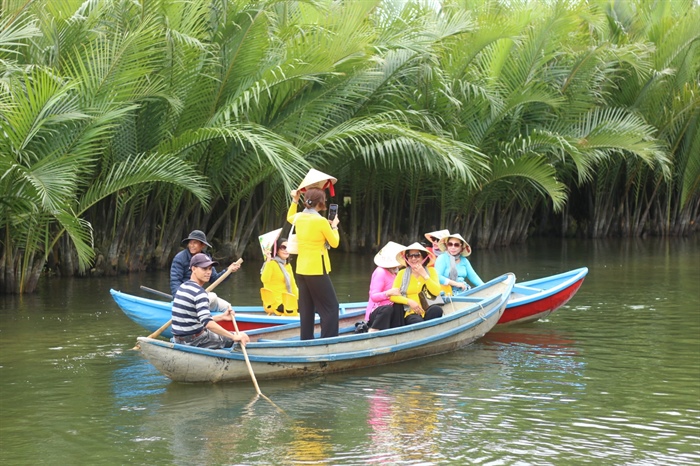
pixel 267 241
pixel 466 251
pixel 386 257
pixel 317 179
pixel 439 234
pixel 417 246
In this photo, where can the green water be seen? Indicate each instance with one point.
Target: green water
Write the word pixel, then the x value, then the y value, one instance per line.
pixel 612 378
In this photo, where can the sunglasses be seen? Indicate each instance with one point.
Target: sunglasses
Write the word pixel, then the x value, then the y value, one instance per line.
pixel 414 255
pixel 434 239
pixel 282 248
pixel 454 245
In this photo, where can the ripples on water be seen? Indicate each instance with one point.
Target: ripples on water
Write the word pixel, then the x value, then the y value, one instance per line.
pixel 518 393
pixel 610 379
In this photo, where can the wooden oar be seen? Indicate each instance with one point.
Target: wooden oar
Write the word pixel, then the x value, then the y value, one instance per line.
pixel 247 361
pixel 211 287
pixel 250 368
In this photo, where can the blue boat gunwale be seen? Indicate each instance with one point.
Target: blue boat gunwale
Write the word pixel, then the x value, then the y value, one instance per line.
pixel 524 293
pixel 560 277
pixel 563 281
pixel 483 301
pixel 167 305
pixel 294 341
pixel 238 355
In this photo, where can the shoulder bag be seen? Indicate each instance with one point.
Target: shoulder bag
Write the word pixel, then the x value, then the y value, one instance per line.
pixel 427 299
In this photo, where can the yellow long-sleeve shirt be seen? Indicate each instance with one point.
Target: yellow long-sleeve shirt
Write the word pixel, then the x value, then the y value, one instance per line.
pixel 415 285
pixel 313 231
pixel 273 279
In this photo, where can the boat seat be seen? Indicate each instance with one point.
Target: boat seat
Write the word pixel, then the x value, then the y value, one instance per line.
pixel 526 290
pixel 464 299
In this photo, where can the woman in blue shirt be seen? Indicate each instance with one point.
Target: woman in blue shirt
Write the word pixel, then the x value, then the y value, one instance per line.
pixel 453 268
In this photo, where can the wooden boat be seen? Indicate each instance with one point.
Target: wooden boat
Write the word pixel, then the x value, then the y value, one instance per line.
pixel 274 353
pixel 529 301
pixel 151 314
pixel 532 300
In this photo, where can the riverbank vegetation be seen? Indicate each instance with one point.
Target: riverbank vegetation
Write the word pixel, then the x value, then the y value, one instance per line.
pixel 126 124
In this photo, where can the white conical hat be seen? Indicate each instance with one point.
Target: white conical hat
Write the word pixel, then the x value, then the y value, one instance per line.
pixel 386 257
pixel 443 244
pixel 417 246
pixel 267 241
pixel 317 179
pixel 439 234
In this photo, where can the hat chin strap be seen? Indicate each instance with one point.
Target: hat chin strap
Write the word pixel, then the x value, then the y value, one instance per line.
pixel 329 185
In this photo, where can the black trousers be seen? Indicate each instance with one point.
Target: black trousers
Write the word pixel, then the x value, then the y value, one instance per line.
pixel 317 296
pixel 392 316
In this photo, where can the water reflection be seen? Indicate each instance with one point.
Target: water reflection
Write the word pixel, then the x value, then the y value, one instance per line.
pixel 310 445
pixel 403 425
pixel 537 349
pixel 135 381
pixel 611 378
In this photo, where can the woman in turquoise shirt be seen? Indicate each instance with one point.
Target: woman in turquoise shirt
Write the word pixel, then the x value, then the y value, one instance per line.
pixel 453 268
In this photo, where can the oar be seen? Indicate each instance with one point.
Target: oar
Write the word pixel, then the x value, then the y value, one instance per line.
pixel 247 361
pixel 159 293
pixel 211 287
pixel 250 368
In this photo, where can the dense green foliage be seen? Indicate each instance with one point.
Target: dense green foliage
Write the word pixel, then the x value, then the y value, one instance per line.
pixel 125 124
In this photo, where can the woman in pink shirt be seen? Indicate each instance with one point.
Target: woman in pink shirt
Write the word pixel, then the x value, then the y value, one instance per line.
pixel 381 287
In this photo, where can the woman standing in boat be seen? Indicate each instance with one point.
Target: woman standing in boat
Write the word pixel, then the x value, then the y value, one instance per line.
pixel 410 282
pixel 315 235
pixel 454 268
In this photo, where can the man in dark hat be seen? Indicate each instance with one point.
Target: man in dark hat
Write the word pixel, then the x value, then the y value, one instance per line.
pixel 180 271
pixel 192 321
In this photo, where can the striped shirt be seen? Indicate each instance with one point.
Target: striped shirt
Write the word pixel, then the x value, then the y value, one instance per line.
pixel 190 309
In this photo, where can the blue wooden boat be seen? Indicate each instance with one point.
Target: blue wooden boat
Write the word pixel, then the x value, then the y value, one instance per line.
pixel 277 352
pixel 535 299
pixel 151 314
pixel 529 301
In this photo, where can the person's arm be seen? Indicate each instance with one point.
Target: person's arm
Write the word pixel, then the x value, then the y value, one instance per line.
pixel 212 323
pixel 215 275
pixel 376 286
pixel 433 283
pixel 235 336
pixel 330 233
pixel 471 273
pixel 266 276
pixel 399 298
pixel 291 213
pixel 378 291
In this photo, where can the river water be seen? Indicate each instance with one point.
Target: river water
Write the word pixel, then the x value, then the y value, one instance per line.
pixel 612 378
